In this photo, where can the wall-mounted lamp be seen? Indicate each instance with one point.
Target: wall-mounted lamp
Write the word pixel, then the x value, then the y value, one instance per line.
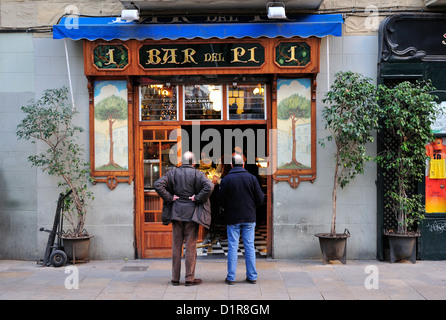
pixel 276 10
pixel 130 14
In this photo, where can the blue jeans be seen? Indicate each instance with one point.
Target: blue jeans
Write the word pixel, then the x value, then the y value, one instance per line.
pixel 247 230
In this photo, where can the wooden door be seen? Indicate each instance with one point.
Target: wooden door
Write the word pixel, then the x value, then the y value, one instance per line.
pixel 159 151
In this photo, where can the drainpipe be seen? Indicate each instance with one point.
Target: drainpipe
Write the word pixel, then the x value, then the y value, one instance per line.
pixel 69 74
pixel 328 63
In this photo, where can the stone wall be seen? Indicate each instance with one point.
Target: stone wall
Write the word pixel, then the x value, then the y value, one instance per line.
pixel 300 213
pixel 31 63
pixel 28 197
pixel 360 15
pixel 18 198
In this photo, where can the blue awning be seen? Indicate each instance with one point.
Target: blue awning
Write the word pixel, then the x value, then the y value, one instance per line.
pixel 110 28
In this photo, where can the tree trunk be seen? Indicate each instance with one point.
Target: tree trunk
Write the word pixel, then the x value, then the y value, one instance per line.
pixel 110 129
pixel 293 129
pixel 293 151
pixel 334 196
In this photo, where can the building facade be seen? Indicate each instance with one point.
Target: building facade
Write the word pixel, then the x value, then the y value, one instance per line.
pixel 172 97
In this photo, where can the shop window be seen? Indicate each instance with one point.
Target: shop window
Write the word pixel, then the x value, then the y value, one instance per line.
pixel 158 102
pixel 203 102
pixel 246 102
pixel 435 180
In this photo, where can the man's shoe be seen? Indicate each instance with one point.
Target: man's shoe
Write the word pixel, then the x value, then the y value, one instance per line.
pixel 251 281
pixel 175 283
pixel 229 282
pixel 195 282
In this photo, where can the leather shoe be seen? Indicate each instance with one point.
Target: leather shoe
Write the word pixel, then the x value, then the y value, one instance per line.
pixel 195 282
pixel 251 281
pixel 229 282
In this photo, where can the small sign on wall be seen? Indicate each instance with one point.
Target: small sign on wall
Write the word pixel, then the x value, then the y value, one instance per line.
pixel 110 57
pixel 292 54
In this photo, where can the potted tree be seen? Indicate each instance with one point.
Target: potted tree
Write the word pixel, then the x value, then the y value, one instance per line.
pixel 351 115
pixel 50 120
pixel 408 112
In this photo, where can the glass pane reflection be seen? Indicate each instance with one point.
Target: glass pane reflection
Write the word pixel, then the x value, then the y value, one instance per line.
pixel 246 102
pixel 203 102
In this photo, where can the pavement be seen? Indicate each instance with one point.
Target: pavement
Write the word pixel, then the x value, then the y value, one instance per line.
pixel 277 280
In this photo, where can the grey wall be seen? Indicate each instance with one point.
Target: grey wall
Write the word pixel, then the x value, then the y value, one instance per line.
pixel 18 199
pixel 28 197
pixel 300 213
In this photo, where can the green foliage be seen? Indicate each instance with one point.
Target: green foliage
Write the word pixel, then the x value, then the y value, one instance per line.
pixel 50 120
pixel 351 115
pixel 111 108
pixel 294 107
pixel 408 112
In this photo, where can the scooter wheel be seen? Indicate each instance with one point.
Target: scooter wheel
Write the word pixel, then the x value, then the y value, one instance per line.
pixel 58 258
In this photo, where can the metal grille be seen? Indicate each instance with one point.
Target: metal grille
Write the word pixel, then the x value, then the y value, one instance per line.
pixel 389 220
pixel 387 177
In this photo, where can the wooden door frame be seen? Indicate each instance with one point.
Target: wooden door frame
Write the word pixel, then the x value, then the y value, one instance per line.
pixel 140 193
pixel 138 157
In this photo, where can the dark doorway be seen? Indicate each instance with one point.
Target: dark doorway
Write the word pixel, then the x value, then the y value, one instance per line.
pixel 213 146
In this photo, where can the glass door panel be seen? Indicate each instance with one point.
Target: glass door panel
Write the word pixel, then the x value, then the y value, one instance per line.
pixel 158 155
pixel 151 164
pixel 167 150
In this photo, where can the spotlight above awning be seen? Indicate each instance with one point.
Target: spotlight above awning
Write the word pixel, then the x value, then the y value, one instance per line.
pixel 111 28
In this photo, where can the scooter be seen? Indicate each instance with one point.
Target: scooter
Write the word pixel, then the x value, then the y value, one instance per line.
pixel 54 252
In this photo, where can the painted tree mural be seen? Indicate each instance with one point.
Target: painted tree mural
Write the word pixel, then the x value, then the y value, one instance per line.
pixel 294 107
pixel 111 109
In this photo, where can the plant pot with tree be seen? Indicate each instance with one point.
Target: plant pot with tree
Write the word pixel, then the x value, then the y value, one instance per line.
pixel 351 115
pixel 408 111
pixel 49 120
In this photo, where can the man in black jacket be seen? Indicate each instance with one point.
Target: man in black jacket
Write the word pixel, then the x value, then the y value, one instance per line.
pixel 181 189
pixel 240 195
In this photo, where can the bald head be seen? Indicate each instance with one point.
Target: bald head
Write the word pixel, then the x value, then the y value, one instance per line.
pixel 188 158
pixel 237 160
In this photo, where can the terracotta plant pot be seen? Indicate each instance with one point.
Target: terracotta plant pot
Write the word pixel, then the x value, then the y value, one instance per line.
pixel 77 249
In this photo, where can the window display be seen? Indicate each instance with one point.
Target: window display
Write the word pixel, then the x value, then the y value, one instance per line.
pixel 246 102
pixel 436 177
pixel 158 102
pixel 203 102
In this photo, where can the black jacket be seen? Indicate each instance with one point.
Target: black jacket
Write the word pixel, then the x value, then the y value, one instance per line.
pixel 240 195
pixel 184 182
